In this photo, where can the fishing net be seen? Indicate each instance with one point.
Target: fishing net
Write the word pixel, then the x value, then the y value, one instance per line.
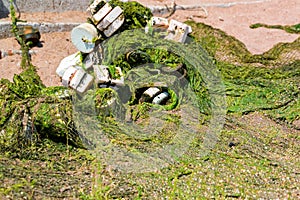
pixel 111 123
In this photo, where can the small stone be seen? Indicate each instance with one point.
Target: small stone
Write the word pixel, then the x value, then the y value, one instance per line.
pixel 231 144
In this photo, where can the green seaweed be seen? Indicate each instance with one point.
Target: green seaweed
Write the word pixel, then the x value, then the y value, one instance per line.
pixel 259 139
pixel 288 28
pixel 25 62
pixel 272 87
pixel 136 15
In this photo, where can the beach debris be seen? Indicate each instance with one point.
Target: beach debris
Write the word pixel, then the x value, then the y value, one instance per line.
pixel 115 25
pixel 77 79
pixel 155 95
pixel 162 97
pixel 93 6
pixel 106 21
pixel 118 81
pixel 65 63
pixel 101 13
pixel 101 74
pixel 30 35
pixel 67 76
pixel 149 94
pixel 84 36
pixel 11 52
pixel 159 21
pixel 84 68
pixel 110 18
pixel 178 31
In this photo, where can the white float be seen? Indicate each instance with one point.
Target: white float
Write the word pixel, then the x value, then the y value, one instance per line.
pixel 67 76
pixel 114 26
pixel 85 84
pixel 101 74
pixel 67 62
pixel 160 98
pixel 83 37
pixel 120 81
pixel 110 18
pixel 101 13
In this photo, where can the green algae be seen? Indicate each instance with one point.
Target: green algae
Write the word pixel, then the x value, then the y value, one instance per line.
pixel 272 87
pixel 25 62
pixel 288 28
pixel 136 15
pixel 274 91
pixel 266 85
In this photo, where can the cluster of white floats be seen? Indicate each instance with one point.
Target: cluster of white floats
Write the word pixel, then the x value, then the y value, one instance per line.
pixel 107 20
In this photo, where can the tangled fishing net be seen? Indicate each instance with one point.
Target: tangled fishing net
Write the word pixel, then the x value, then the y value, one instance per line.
pixel 105 117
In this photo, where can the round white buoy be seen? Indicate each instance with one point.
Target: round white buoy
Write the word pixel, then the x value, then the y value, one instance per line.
pixel 83 37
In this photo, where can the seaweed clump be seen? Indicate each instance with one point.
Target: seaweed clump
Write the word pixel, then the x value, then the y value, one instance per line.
pixel 288 28
pixel 31 112
pixel 267 83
